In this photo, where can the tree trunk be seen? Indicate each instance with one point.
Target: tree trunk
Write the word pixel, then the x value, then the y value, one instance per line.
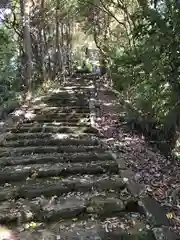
pixel 25 13
pixel 58 63
pixel 41 38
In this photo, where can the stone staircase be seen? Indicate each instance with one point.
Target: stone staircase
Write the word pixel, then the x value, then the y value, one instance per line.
pixel 58 181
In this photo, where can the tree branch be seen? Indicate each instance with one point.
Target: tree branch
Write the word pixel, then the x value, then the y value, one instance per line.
pixel 106 10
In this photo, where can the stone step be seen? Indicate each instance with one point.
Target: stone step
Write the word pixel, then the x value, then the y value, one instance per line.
pixel 55 129
pixel 60 126
pixel 66 103
pixel 60 110
pixel 49 119
pixel 73 205
pixel 66 100
pixel 57 113
pixel 20 136
pixel 55 186
pixel 50 142
pixel 22 172
pixel 67 91
pixel 67 95
pixel 68 109
pixel 45 122
pixel 110 228
pixel 7 152
pixel 64 96
pixel 55 158
pixel 74 86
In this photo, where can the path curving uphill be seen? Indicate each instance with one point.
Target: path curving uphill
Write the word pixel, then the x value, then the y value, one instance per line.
pixel 59 181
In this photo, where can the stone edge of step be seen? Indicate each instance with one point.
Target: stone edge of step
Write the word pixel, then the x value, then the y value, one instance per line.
pixel 153 211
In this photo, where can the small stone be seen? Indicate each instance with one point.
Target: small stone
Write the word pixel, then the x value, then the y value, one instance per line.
pixel 90 209
pixel 148 227
pixel 125 180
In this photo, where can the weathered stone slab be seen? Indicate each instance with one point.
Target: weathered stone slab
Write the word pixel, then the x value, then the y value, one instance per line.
pixel 154 212
pixel 127 174
pixel 69 209
pixel 86 230
pixel 41 209
pixel 50 119
pixel 7 193
pixel 22 172
pixel 5 152
pixel 56 123
pixel 63 115
pixel 134 188
pixel 68 109
pixel 54 158
pixel 55 129
pixel 20 136
pixel 91 130
pixel 15 212
pixel 105 206
pixel 120 161
pixel 58 187
pixel 45 129
pixel 164 233
pixel 13 175
pixel 67 103
pixel 50 142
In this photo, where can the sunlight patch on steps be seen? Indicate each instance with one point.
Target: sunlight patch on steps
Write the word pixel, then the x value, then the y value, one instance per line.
pixel 18 113
pixel 2 124
pixel 30 115
pixel 55 123
pixel 37 99
pixel 41 105
pixel 61 91
pixel 83 120
pixel 54 90
pixel 60 136
pixel 27 114
pixel 108 104
pixel 5 233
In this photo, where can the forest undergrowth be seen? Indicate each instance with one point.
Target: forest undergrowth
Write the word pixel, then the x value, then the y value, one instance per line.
pixel 158 176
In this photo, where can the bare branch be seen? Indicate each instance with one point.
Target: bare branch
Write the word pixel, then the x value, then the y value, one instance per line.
pixel 106 10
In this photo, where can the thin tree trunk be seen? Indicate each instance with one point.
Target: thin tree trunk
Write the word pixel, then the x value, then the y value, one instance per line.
pixel 42 48
pixel 58 63
pixel 25 11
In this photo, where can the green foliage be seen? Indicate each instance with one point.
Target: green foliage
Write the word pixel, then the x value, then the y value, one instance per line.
pixel 141 76
pixel 147 73
pixel 86 67
pixel 9 79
